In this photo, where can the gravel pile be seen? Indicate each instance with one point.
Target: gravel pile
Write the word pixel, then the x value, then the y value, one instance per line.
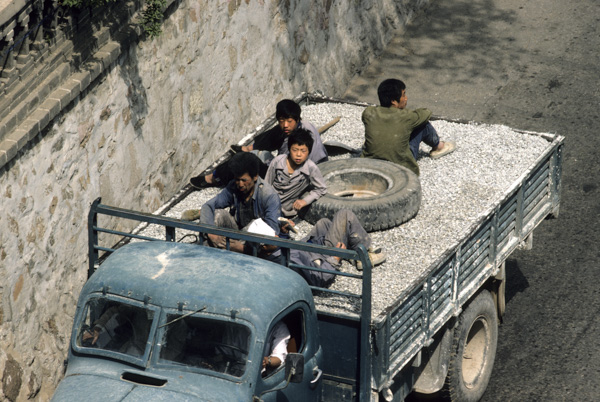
pixel 457 190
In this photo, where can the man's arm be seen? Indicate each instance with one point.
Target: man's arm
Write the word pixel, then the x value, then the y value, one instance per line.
pixel 319 187
pixel 207 215
pixel 271 208
pixel 270 175
pixel 419 116
pixel 318 153
pixel 100 324
pixel 322 261
pixel 281 337
pixel 270 140
pixel 222 200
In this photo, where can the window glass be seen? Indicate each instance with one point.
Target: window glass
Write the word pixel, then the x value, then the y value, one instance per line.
pixel 115 326
pixel 207 343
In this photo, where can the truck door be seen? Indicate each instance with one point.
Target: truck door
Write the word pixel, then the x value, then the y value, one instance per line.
pixel 300 330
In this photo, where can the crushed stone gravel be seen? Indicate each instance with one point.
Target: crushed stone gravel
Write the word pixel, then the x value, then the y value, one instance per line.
pixel 457 190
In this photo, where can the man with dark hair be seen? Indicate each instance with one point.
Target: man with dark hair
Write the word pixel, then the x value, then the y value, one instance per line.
pixel 394 133
pixel 244 164
pixel 248 198
pixel 287 113
pixel 300 137
pixel 297 179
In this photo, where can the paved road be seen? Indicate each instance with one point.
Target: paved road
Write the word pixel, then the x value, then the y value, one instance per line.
pixel 535 66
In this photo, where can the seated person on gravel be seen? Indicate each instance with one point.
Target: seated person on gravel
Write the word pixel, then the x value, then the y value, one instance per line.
pixel 393 133
pixel 248 198
pixel 296 178
pixel 288 118
pixel 345 231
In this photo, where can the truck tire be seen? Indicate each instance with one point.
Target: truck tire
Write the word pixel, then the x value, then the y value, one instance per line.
pixel 473 350
pixel 381 194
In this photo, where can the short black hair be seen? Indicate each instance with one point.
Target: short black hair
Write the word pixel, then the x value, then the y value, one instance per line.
pixel 390 90
pixel 300 136
pixel 244 162
pixel 287 109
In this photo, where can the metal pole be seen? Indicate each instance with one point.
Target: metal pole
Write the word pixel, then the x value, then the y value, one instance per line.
pixel 365 327
pixel 93 237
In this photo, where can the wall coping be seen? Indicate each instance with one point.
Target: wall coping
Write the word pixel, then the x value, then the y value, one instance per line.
pixel 36 104
pixel 8 8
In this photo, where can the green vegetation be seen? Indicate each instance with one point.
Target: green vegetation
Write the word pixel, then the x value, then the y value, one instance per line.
pixel 151 16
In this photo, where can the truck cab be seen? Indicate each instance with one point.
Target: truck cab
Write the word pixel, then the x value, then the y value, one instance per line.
pixel 165 320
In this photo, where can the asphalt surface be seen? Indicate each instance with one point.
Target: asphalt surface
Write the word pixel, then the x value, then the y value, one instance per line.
pixel 534 66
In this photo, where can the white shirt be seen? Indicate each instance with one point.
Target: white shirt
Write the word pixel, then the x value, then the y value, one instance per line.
pixel 278 340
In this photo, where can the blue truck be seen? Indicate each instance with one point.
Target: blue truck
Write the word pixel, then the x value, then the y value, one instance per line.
pixel 188 322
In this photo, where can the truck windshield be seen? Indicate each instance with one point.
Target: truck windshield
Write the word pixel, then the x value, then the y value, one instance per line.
pixel 206 343
pixel 115 326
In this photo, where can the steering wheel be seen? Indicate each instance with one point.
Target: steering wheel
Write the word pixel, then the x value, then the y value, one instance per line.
pixel 227 352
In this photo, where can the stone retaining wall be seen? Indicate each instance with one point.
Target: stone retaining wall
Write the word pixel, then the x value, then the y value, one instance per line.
pixel 151 114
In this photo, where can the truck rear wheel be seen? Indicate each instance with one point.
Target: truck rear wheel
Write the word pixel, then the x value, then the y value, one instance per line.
pixel 473 350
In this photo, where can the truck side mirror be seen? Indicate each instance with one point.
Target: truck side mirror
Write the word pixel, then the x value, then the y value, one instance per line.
pixel 294 367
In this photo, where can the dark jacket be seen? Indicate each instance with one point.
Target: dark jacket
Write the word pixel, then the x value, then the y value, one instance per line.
pixel 276 140
pixel 265 199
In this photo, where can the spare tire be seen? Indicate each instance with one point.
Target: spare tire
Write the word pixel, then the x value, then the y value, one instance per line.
pixel 381 194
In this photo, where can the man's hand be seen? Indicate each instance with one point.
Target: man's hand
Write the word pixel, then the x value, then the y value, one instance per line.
pixel 221 242
pixel 287 225
pixel 92 334
pixel 216 240
pixel 242 148
pixel 299 204
pixel 339 245
pixel 271 361
pixel 268 248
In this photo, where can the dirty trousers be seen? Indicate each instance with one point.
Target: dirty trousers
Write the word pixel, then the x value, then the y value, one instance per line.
pixel 344 228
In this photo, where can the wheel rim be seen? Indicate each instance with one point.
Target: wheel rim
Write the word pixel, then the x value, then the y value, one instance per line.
pixel 357 183
pixel 356 193
pixel 475 352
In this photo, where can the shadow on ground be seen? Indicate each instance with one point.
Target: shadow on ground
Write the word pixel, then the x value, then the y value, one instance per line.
pixel 451 43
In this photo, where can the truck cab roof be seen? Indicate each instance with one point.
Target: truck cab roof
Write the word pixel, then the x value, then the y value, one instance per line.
pixel 194 277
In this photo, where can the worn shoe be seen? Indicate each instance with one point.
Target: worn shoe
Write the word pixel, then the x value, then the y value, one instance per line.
pixel 236 148
pixel 376 257
pixel 199 182
pixel 449 147
pixel 190 215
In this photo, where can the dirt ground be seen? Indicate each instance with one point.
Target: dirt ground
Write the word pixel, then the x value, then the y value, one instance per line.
pixel 532 66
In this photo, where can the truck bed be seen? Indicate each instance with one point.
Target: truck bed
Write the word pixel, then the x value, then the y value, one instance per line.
pixel 491 170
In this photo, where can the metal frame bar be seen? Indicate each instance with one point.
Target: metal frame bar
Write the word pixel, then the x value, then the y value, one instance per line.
pixel 171 224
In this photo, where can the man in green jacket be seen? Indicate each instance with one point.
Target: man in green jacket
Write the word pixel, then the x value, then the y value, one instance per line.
pixel 393 133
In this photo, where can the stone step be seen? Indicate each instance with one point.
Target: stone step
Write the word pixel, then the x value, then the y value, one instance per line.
pixel 61 87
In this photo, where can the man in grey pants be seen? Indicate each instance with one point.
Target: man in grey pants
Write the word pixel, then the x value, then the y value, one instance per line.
pixel 344 231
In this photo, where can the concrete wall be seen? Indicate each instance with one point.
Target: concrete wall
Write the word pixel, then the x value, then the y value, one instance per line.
pixel 162 112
